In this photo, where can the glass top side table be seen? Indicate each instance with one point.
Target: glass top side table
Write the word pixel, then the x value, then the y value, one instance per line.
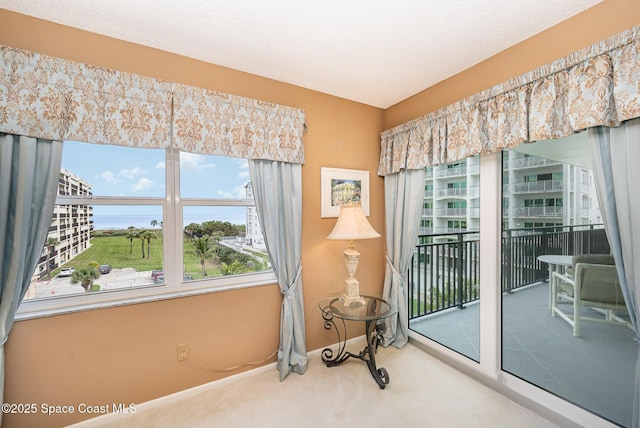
pixel 373 310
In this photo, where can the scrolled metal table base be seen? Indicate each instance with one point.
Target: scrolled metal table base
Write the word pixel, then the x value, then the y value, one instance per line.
pixel 374 337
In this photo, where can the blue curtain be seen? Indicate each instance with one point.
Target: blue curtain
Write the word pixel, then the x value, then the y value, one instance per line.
pixel 29 172
pixel 616 156
pixel 277 188
pixel 404 195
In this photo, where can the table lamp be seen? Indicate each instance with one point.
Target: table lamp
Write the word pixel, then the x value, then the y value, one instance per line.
pixel 351 225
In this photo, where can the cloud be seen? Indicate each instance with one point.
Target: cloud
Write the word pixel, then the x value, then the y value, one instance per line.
pixel 142 184
pixel 109 177
pixel 238 192
pixel 244 174
pixel 131 173
pixel 160 165
pixel 194 161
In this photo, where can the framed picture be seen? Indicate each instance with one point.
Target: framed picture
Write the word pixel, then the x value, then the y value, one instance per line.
pixel 343 187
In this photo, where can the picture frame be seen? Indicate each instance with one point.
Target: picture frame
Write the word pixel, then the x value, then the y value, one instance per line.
pixel 343 186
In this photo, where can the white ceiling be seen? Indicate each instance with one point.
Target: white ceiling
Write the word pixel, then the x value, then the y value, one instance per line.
pixel 377 52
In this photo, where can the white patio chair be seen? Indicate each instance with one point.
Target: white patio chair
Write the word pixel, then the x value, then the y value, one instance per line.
pixel 593 284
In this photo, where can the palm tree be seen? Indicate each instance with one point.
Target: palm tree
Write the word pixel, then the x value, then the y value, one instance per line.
pixel 154 223
pixel 233 269
pixel 85 277
pixel 204 247
pixel 148 236
pixel 51 243
pixel 131 235
pixel 141 235
pixel 191 229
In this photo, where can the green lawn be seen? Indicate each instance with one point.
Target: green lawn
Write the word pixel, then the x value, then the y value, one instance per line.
pixel 118 252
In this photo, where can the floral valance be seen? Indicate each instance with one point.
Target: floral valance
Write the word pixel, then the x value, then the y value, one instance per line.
pixel 216 123
pixel 599 85
pixel 58 99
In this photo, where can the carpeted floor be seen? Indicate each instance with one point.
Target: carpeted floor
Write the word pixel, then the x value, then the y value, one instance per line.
pixel 423 392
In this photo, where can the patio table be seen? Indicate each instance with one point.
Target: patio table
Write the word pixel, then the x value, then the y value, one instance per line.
pixel 556 263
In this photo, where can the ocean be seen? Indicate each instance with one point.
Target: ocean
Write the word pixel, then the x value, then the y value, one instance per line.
pixel 122 222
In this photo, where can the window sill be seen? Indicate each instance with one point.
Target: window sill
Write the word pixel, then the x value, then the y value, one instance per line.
pixel 46 307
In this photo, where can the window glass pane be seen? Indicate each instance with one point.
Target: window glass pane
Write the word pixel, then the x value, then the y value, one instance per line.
pixel 219 177
pixel 96 248
pixel 221 241
pixel 115 170
pixel 538 342
pixel 444 274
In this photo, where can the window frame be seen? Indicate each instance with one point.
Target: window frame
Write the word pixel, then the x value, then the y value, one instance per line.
pixel 174 286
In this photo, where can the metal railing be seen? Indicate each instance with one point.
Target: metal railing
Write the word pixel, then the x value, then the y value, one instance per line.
pixel 521 248
pixel 445 269
pixel 445 272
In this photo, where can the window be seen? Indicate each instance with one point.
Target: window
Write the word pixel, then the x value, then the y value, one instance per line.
pixel 457 185
pixel 457 204
pixel 120 215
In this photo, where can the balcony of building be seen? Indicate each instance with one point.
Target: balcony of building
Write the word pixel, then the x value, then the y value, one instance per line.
pixel 531 162
pixel 542 186
pixel 591 371
pixel 451 212
pixel 537 212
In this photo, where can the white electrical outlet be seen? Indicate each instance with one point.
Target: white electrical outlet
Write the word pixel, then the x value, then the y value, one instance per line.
pixel 183 352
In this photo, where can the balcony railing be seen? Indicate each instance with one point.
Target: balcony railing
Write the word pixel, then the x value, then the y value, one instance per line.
pixel 445 269
pixel 451 212
pixel 526 212
pixel 538 186
pixel 531 161
pixel 444 273
pixel 451 172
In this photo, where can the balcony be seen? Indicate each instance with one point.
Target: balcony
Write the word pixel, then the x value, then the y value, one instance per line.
pixel 451 192
pixel 461 192
pixel 451 212
pixel 537 212
pixel 542 186
pixel 451 172
pixel 443 288
pixel 532 161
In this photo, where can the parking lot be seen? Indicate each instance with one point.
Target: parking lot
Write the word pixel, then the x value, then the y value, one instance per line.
pixel 117 278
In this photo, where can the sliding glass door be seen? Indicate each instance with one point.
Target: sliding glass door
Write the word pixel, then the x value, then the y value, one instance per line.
pixel 550 214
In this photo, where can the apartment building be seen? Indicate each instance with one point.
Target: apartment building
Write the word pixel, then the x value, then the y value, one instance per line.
pixel 71 226
pixel 254 230
pixel 537 192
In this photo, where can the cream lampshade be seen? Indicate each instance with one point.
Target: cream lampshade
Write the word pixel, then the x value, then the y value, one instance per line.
pixel 351 225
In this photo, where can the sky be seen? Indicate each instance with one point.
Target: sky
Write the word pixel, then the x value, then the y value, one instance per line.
pixel 123 171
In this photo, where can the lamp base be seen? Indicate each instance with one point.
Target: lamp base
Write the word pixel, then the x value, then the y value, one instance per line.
pixel 349 300
pixel 352 292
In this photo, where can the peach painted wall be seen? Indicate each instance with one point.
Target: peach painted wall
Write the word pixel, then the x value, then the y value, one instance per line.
pixel 128 354
pixel 601 21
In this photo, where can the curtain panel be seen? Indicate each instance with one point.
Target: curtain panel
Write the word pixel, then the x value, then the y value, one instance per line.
pixel 58 99
pixel 277 188
pixel 598 85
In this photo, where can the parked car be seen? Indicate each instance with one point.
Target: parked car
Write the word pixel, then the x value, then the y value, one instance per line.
pixel 66 272
pixel 105 269
pixel 155 273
